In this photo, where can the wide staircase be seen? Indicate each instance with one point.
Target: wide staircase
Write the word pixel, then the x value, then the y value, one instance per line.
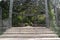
pixel 29 32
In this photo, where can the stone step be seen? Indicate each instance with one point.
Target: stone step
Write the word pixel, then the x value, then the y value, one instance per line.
pixel 29 30
pixel 28 27
pixel 25 28
pixel 29 36
pixel 32 32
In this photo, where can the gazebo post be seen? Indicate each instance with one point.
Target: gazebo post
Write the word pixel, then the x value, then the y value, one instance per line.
pixel 10 13
pixel 46 13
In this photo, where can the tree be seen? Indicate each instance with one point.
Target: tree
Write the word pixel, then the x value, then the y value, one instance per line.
pixel 21 8
pixel 5 8
pixel 27 7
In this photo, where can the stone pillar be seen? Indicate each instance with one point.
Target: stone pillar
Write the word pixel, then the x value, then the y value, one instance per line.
pixel 56 14
pixel 0 17
pixel 46 12
pixel 55 9
pixel 10 13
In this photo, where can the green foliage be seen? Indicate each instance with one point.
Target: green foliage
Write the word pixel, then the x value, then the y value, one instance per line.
pixel 5 8
pixel 41 19
pixel 19 10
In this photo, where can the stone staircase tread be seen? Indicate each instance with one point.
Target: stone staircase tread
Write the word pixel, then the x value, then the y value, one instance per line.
pixel 28 30
pixel 32 32
pixel 30 39
pixel 29 35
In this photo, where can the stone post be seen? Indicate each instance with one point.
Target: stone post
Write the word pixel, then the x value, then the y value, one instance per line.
pixel 10 13
pixel 56 14
pixel 47 15
pixel 55 9
pixel 0 17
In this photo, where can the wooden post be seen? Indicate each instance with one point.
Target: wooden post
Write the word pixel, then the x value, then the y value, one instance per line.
pixel 10 13
pixel 46 12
